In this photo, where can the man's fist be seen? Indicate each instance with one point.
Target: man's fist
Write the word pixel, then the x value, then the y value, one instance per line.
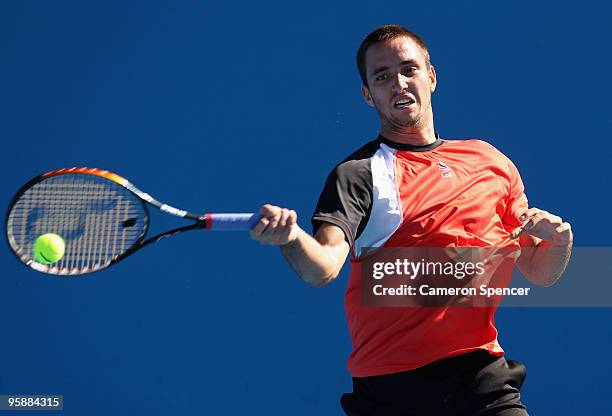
pixel 277 226
pixel 544 225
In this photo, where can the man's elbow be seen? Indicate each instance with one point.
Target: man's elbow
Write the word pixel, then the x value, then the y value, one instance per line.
pixel 320 281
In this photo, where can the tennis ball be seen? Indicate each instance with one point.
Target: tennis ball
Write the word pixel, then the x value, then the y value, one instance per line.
pixel 49 248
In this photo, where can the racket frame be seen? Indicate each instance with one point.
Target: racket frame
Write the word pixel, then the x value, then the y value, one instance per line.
pixel 200 220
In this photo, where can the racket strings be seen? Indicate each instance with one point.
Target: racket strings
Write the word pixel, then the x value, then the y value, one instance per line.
pixel 98 219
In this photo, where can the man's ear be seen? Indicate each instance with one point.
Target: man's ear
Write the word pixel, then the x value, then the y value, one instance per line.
pixel 367 96
pixel 433 78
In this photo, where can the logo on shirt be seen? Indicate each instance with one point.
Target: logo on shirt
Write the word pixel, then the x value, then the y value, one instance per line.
pixel 445 170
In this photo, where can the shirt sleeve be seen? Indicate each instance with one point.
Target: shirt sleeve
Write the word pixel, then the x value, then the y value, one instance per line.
pixel 346 199
pixel 516 201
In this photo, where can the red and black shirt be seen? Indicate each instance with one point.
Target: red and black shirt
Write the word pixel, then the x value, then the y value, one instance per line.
pixel 451 193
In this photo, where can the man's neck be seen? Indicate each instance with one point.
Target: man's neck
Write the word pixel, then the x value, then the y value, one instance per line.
pixel 416 136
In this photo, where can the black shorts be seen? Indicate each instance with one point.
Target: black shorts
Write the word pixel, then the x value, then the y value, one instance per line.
pixel 472 384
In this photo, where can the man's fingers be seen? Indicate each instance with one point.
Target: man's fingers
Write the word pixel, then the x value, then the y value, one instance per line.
pixel 542 224
pixel 563 234
pixel 259 227
pixel 563 227
pixel 282 228
pixel 284 216
pixel 268 210
pixel 269 218
pixel 531 218
pixel 516 233
pixel 274 220
pixel 542 220
pixel 535 219
pixel 288 217
pixel 529 213
pixel 275 226
pixel 292 219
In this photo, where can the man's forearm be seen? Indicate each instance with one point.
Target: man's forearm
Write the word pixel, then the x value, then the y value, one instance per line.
pixel 316 264
pixel 318 259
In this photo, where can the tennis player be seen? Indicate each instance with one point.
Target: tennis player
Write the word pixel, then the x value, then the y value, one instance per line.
pixel 411 188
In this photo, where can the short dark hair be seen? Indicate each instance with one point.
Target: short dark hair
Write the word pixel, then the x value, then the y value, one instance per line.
pixel 383 34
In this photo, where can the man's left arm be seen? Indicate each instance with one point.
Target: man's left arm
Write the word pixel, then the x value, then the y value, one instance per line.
pixel 546 245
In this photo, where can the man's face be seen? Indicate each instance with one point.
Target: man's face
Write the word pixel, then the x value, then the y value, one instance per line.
pixel 399 83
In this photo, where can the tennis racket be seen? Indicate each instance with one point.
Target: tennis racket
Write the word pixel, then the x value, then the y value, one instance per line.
pixel 101 216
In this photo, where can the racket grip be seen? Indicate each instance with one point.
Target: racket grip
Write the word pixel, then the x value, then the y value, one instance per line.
pixel 231 222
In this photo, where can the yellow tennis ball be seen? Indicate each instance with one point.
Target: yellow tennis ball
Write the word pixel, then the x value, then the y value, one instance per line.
pixel 49 248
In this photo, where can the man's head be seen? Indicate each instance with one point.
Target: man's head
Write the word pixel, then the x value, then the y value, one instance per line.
pixel 383 34
pixel 398 78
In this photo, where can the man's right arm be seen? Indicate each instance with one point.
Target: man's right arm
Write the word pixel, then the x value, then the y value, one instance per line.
pixel 318 260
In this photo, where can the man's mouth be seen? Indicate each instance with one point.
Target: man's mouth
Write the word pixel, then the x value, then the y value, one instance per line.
pixel 403 103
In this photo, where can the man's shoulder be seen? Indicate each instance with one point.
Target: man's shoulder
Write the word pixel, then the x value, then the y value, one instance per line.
pixel 364 152
pixel 476 145
pixel 358 162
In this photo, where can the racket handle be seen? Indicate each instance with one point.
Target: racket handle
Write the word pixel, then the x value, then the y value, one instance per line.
pixel 231 222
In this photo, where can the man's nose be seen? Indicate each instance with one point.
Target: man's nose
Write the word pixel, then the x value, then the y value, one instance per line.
pixel 399 84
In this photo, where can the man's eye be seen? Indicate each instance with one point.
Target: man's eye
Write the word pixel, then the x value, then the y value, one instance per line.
pixel 410 70
pixel 381 77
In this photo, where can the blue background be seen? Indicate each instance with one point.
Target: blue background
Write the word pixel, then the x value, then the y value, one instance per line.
pixel 222 107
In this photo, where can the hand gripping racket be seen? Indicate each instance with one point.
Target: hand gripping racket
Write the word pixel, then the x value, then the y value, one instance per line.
pixel 101 216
